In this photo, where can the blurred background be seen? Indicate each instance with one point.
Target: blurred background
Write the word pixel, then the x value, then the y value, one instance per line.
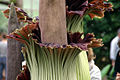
pixel 105 28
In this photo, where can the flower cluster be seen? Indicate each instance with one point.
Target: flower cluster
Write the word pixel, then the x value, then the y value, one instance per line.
pixel 74 39
pixel 89 41
pixel 32 30
pixel 94 8
pixel 23 34
pixel 21 14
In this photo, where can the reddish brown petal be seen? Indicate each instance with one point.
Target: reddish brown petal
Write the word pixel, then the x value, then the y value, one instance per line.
pixel 76 7
pixel 24 75
pixel 98 7
pixel 83 43
pixel 21 14
pixel 6 13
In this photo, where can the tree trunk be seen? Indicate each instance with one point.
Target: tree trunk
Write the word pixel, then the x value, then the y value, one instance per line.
pixel 19 3
pixel 53 21
pixel 14 58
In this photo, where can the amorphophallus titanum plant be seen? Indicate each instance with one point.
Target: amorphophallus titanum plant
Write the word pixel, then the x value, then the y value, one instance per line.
pixel 77 9
pixel 51 61
pixel 43 58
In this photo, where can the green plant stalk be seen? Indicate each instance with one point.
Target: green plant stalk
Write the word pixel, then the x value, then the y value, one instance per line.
pixel 82 67
pixel 75 24
pixel 47 63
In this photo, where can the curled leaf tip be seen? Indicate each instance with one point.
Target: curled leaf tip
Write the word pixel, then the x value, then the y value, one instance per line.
pixel 23 34
pixel 21 15
pixel 88 41
pixel 94 8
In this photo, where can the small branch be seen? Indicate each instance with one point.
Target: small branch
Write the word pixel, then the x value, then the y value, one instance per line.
pixel 4 3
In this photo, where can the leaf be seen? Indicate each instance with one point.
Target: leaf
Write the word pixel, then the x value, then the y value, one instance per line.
pixel 105 70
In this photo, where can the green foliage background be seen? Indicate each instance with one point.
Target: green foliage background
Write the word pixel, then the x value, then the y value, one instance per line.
pixel 3 23
pixel 105 28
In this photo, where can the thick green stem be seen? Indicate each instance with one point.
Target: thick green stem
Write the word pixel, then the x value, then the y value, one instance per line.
pixel 75 24
pixel 47 63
